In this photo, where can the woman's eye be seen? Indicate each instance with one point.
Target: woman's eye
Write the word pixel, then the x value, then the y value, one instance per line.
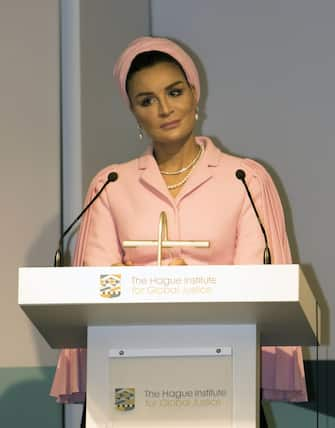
pixel 175 92
pixel 147 101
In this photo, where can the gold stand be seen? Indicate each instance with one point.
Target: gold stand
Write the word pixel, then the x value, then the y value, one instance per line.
pixel 163 241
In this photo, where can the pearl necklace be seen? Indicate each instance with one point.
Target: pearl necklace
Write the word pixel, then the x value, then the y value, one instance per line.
pixel 187 176
pixel 185 168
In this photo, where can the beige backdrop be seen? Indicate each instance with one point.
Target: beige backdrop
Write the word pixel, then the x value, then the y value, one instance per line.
pixel 29 164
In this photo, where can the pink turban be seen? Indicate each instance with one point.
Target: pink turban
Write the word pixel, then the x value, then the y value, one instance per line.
pixel 145 44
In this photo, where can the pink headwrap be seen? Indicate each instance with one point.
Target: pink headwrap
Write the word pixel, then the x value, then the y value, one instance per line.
pixel 145 44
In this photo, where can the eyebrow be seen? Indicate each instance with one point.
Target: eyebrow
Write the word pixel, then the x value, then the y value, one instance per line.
pixel 141 94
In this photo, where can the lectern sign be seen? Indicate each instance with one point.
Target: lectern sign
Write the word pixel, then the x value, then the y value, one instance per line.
pixel 171 391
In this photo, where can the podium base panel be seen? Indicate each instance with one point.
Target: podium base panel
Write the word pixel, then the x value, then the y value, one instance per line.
pixel 136 373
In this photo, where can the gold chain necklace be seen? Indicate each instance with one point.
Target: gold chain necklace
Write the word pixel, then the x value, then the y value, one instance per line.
pixel 185 168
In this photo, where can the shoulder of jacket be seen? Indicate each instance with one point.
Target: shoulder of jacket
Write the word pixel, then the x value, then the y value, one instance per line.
pixel 119 168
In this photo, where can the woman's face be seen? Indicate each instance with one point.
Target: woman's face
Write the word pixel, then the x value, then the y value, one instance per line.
pixel 163 103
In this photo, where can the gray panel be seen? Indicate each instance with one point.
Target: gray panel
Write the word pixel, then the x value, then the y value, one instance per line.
pixel 268 93
pixel 109 132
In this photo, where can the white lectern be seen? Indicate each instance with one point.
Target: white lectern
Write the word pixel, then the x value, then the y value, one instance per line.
pixel 171 346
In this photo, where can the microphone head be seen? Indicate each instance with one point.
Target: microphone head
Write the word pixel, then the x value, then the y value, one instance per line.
pixel 240 174
pixel 58 258
pixel 113 176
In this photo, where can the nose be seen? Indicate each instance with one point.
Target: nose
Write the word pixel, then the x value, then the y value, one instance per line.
pixel 165 108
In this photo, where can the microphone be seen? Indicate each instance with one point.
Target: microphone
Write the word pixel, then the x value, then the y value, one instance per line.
pixel 240 174
pixel 58 258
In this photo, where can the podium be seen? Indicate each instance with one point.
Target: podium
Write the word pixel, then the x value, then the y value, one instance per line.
pixel 171 346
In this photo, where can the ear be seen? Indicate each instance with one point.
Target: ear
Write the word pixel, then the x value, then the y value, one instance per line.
pixel 131 105
pixel 194 93
pixel 132 108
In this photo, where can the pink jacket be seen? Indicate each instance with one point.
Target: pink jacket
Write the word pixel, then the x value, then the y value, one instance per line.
pixel 212 205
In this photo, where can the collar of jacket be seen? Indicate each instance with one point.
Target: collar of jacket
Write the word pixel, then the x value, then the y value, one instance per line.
pixel 151 176
pixel 211 155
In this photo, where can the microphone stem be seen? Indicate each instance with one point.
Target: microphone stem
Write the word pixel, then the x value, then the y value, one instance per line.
pixel 267 253
pixel 82 213
pixel 256 212
pixel 58 259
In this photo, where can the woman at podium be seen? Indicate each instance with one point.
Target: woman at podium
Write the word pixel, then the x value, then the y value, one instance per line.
pixel 200 188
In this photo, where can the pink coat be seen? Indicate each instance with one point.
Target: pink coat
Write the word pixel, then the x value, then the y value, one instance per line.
pixel 212 205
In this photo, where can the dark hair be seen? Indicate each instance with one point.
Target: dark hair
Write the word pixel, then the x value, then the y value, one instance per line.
pixel 149 59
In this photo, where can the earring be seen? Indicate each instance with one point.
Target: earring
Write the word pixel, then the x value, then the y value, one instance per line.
pixel 196 115
pixel 140 132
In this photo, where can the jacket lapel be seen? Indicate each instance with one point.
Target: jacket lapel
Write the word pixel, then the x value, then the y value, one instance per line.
pixel 204 170
pixel 150 176
pixel 153 180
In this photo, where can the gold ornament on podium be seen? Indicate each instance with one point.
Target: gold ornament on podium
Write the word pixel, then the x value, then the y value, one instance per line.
pixel 163 240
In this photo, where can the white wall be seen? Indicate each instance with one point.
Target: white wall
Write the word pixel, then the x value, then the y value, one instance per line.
pixel 269 94
pixel 29 165
pixel 30 200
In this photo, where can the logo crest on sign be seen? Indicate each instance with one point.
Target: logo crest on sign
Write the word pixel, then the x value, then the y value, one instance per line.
pixel 125 399
pixel 110 285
